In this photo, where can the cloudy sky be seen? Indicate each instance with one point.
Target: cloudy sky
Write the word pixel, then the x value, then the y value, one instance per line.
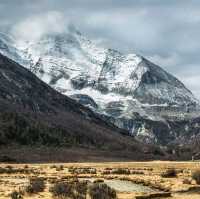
pixel 165 31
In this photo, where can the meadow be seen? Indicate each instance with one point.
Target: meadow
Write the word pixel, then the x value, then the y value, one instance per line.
pixel 122 180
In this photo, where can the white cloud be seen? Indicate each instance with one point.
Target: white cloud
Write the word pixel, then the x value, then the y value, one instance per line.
pixel 35 26
pixel 192 83
pixel 124 26
pixel 189 74
pixel 165 61
pixel 167 32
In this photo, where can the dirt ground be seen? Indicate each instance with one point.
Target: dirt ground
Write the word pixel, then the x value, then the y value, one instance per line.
pixel 147 174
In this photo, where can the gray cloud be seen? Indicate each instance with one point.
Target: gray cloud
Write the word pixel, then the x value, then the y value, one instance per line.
pixel 39 25
pixel 167 32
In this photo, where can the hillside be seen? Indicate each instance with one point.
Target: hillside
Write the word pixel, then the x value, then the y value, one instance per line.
pixel 128 91
pixel 34 115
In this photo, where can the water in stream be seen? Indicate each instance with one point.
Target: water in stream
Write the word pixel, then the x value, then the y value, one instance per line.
pixel 124 185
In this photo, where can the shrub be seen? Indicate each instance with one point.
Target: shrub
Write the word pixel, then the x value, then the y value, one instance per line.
pixel 137 172
pixel 3 170
pixel 26 167
pixel 196 176
pixel 102 191
pixel 8 170
pixel 78 196
pixel 81 187
pixel 35 185
pixel 11 170
pixel 53 167
pixel 99 181
pixel 106 172
pixel 170 173
pixel 82 170
pixel 108 169
pixel 72 189
pixel 121 171
pixel 16 195
pixel 62 189
pixel 60 168
pixel 187 181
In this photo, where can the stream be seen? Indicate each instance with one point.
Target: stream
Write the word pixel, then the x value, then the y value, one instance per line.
pixel 124 185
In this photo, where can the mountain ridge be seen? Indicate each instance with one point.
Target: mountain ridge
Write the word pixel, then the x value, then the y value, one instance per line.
pixel 35 115
pixel 127 90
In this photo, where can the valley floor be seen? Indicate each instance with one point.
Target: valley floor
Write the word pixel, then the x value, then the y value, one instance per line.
pixel 146 178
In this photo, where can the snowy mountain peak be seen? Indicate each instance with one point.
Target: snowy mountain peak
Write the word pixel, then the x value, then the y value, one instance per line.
pixel 122 87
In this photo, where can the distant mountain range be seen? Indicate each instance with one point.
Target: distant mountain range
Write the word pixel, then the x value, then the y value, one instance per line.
pixel 125 90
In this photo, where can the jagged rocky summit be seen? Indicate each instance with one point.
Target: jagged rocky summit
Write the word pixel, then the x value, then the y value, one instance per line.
pixel 127 90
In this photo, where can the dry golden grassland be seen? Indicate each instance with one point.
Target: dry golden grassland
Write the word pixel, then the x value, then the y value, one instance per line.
pixel 165 178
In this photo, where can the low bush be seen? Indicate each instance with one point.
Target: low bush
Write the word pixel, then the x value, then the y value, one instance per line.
pixel 62 189
pixel 60 168
pixel 11 170
pixel 82 170
pixel 26 167
pixel 121 171
pixel 170 173
pixel 99 181
pixel 196 176
pixel 16 195
pixel 81 189
pixel 137 172
pixel 187 181
pixel 53 167
pixel 78 196
pixel 36 185
pixel 101 191
pixel 71 189
pixel 106 172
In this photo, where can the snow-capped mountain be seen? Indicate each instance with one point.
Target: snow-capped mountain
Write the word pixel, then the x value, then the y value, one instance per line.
pixel 127 90
pixel 33 114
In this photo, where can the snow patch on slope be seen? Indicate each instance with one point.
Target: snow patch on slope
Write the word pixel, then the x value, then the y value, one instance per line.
pixel 124 87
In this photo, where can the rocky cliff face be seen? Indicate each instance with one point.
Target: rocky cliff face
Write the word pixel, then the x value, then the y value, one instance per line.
pixel 127 90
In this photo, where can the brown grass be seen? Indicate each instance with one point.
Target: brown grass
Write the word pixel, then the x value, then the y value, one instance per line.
pixel 146 173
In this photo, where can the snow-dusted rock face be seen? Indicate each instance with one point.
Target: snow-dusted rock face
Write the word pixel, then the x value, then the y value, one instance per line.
pixel 128 90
